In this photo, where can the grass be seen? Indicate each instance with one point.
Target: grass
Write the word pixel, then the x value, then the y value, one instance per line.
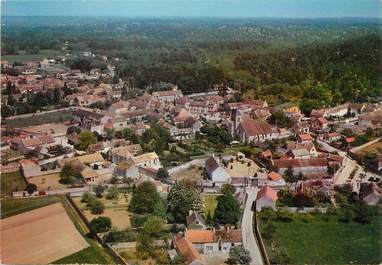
pixel 324 240
pixel 12 181
pixel 37 119
pixel 374 148
pixel 94 254
pixel 10 207
pixel 30 57
pixel 210 204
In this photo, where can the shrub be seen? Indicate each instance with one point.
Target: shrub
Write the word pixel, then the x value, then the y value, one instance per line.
pixel 87 197
pixel 100 224
pixel 30 188
pixel 96 206
pixel 112 193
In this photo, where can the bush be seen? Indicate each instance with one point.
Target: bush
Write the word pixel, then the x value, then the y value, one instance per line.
pixel 239 255
pixel 153 226
pixel 283 216
pixel 112 193
pixel 100 224
pixel 98 190
pixel 30 188
pixel 87 197
pixel 96 207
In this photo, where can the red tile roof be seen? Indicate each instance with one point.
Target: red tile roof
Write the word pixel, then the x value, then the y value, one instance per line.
pixel 274 176
pixel 252 127
pixel 186 249
pixel 200 236
pixel 267 192
pixel 313 162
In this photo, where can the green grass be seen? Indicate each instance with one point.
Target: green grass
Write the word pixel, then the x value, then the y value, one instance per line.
pixel 91 255
pixel 59 116
pixel 30 57
pixel 327 241
pixel 210 205
pixel 12 181
pixel 11 207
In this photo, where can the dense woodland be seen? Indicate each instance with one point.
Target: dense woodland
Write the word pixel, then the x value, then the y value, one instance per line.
pixel 313 62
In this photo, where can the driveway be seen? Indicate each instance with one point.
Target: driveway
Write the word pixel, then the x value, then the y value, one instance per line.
pixel 249 240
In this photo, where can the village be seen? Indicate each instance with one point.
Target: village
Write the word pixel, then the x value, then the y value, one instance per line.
pixel 191 170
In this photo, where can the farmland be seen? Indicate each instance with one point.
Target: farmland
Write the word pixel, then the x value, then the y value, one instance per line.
pixel 22 57
pixel 37 119
pixel 12 181
pixel 46 230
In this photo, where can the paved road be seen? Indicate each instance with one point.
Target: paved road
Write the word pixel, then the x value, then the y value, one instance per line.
pixel 249 240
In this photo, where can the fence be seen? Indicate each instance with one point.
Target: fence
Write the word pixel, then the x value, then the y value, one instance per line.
pixel 263 250
pixel 75 192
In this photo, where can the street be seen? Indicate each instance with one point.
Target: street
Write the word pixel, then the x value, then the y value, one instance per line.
pixel 249 240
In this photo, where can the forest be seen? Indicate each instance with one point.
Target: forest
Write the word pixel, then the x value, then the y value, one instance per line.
pixel 311 62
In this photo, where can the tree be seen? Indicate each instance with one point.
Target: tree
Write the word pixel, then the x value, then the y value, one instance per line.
pixel 100 224
pixel 239 255
pixel 87 197
pixel 96 207
pixel 227 210
pixel 180 200
pixel 128 134
pixel 69 175
pixel 86 138
pixel 145 196
pixel 30 188
pixel 73 129
pixel 112 193
pixel 280 119
pixel 98 190
pixel 227 189
pixel 145 247
pixel 153 226
pixel 363 213
pixel 162 174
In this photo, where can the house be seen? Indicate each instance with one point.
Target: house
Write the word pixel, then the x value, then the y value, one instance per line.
pixel 35 142
pixel 124 169
pixel 138 128
pixel 29 168
pixel 319 124
pixel 250 130
pixel 168 96
pixel 91 176
pixel 333 136
pixel 134 149
pixel 275 180
pixel 187 250
pixel 100 147
pixel 147 160
pixel 305 138
pixel 370 192
pixel 216 173
pixel 195 220
pixel 266 197
pixel 214 241
pixel 120 154
pixel 93 160
pixel 308 167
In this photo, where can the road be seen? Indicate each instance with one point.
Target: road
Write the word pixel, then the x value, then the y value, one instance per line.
pixel 249 240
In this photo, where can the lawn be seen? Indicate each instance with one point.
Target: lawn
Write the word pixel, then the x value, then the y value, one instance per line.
pixel 323 240
pixel 11 207
pixel 37 119
pixel 12 181
pixel 211 202
pixel 94 254
pixel 30 57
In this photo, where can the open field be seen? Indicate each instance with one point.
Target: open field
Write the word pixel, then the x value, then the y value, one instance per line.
pixel 210 202
pixel 245 168
pixel 37 119
pixel 117 211
pixel 193 173
pixel 47 182
pixel 324 240
pixel 12 181
pixel 374 148
pixel 30 57
pixel 11 207
pixel 94 254
pixel 42 235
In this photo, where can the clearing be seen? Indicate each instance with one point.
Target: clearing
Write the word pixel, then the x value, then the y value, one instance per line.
pixel 373 148
pixel 30 57
pixel 47 182
pixel 322 239
pixel 116 210
pixel 210 203
pixel 42 236
pixel 37 119
pixel 194 173
pixel 12 181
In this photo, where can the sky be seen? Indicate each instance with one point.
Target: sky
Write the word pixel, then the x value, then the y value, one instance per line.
pixel 194 8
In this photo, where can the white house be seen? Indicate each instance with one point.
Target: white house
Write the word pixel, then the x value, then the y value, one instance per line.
pixel 266 197
pixel 217 174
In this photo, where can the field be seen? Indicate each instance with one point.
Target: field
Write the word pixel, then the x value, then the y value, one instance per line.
pixel 374 148
pixel 47 182
pixel 241 169
pixel 116 210
pixel 210 204
pixel 192 173
pixel 12 181
pixel 37 119
pixel 42 235
pixel 10 207
pixel 327 241
pixel 30 57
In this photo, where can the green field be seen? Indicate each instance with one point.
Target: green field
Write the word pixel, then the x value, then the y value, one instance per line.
pixel 37 119
pixel 210 205
pixel 324 240
pixel 30 57
pixel 91 255
pixel 11 207
pixel 11 182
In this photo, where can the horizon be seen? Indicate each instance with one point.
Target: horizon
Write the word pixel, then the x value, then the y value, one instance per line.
pixel 229 9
